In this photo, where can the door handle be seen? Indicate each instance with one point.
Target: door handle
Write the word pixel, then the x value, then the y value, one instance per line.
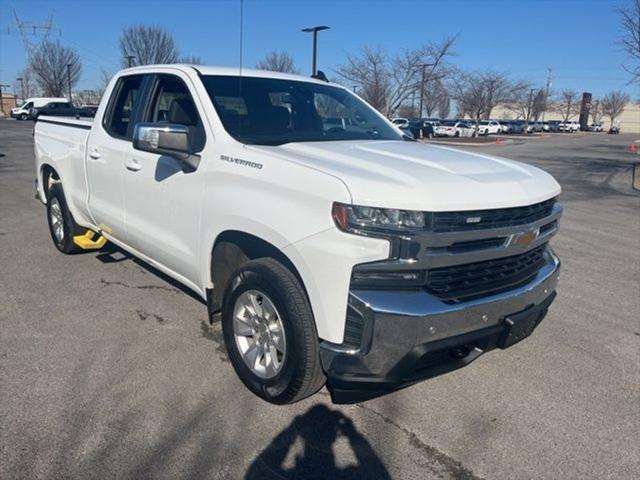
pixel 133 165
pixel 94 153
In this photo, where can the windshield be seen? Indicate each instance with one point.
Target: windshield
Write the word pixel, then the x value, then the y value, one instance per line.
pixel 269 111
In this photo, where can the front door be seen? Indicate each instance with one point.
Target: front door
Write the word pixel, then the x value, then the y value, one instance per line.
pixel 163 203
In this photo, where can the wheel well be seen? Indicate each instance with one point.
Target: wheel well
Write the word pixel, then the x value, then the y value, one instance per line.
pixel 231 250
pixel 49 175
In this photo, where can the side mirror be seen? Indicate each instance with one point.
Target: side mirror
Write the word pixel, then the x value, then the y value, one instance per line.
pixel 166 139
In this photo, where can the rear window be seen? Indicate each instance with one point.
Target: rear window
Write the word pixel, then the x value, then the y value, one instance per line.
pixel 122 106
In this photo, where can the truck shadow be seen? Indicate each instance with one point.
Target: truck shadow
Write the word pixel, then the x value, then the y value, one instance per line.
pixel 111 253
pixel 305 449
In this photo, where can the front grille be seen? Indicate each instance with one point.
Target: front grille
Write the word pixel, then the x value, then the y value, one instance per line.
pixel 496 218
pixel 474 280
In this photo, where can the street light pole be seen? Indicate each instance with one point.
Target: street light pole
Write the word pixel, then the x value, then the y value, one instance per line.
pixel 21 80
pixel 314 60
pixel 69 81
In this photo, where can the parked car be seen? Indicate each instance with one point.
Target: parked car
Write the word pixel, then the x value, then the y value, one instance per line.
pixel 22 112
pixel 400 121
pixel 569 126
pixel 426 126
pixel 489 127
pixel 553 125
pixel 454 128
pixel 595 127
pixel 505 126
pixel 615 129
pixel 412 127
pixel 533 127
pixel 58 109
pixel 315 245
pixel 87 111
pixel 517 126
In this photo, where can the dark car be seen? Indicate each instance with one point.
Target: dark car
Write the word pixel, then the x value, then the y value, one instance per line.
pixel 60 109
pixel 424 127
pixel 554 125
pixel 87 111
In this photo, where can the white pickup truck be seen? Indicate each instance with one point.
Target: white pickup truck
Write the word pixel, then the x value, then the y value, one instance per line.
pixel 336 252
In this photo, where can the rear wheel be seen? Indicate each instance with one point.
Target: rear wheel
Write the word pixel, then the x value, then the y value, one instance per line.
pixel 270 333
pixel 62 226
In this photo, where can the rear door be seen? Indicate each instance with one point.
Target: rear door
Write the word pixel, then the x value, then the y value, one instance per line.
pixel 108 143
pixel 163 203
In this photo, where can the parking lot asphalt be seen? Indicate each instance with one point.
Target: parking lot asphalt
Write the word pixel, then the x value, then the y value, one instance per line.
pixel 109 370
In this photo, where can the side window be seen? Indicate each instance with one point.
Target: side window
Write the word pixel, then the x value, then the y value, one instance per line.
pixel 172 103
pixel 123 106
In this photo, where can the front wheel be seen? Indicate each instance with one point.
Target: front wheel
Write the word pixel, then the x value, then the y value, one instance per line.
pixel 24 116
pixel 270 333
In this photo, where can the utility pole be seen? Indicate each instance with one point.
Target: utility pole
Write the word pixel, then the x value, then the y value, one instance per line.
pixel 529 108
pixel 546 93
pixel 424 69
pixel 2 85
pixel 21 80
pixel 355 89
pixel 129 60
pixel 69 81
pixel 314 60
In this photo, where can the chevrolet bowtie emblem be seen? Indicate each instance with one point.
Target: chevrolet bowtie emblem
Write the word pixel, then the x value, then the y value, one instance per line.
pixel 524 239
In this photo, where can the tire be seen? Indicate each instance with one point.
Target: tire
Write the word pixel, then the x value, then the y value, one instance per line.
pixel 300 373
pixel 24 116
pixel 457 134
pixel 62 226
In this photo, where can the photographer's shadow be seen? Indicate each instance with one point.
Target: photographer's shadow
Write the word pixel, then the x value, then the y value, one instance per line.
pixel 305 450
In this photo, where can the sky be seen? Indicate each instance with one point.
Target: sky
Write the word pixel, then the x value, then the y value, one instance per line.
pixel 522 38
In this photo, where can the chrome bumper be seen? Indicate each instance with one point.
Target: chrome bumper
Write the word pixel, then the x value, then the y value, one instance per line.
pixel 401 327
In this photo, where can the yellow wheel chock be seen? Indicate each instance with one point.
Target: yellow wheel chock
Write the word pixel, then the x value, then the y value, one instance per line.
pixel 86 241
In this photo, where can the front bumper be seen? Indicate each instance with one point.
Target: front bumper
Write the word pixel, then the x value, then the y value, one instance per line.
pixel 409 336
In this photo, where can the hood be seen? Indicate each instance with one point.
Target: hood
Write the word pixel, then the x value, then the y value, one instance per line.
pixel 411 175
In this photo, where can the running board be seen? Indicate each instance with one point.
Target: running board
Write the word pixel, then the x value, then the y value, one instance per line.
pixel 87 242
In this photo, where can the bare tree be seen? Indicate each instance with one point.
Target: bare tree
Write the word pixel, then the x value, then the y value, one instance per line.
pixel 444 106
pixel 277 62
pixel 87 97
pixel 596 112
pixel 613 104
pixel 568 104
pixel 434 96
pixel 190 60
pixel 539 104
pixel 369 71
pixel 27 87
pixel 49 65
pixel 147 45
pixel 478 93
pixel 526 101
pixel 388 81
pixel 630 39
pixel 407 111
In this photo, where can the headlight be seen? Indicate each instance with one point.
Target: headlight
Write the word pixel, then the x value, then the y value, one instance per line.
pixel 359 219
